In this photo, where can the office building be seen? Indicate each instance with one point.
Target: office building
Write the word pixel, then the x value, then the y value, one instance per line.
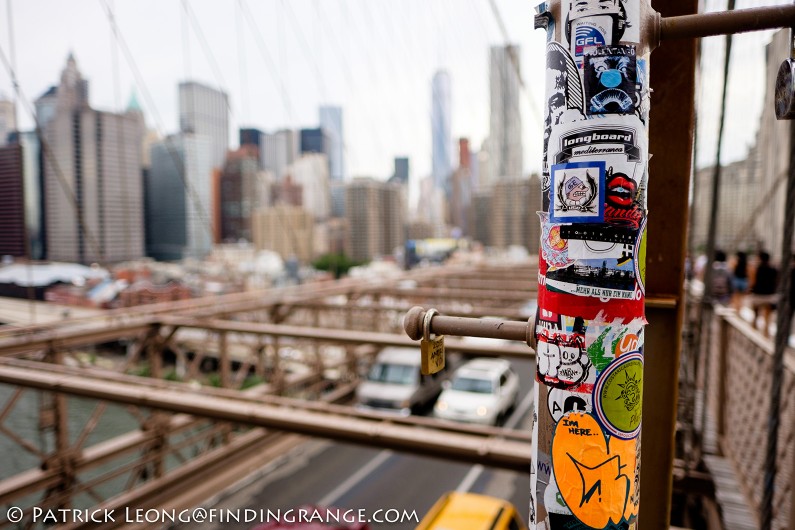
pixel 178 198
pixel 310 172
pixel 441 134
pixel 401 172
pixel 514 221
pixel 505 132
pixel 331 124
pixel 286 230
pixel 8 120
pixel 313 141
pixel 93 192
pixel 278 151
pixel 204 111
pixel 376 215
pixel 243 189
pixel 21 213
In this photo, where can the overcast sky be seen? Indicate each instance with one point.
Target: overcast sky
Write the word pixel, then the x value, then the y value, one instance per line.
pixel 374 58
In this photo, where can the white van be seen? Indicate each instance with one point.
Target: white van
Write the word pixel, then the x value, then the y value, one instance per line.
pixel 395 384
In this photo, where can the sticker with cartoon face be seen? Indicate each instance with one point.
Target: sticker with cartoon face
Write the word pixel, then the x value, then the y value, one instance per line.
pixel 610 75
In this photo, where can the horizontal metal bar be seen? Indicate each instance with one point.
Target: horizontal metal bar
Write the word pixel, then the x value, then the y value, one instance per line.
pixel 492 328
pixel 727 22
pixel 496 450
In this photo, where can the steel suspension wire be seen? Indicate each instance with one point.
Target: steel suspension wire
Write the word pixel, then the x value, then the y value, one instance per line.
pixel 783 327
pixel 705 308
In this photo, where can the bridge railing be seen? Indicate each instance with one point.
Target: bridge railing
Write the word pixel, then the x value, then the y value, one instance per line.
pixel 738 398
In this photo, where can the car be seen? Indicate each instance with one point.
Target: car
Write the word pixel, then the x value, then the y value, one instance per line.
pixel 484 390
pixel 394 383
pixel 471 511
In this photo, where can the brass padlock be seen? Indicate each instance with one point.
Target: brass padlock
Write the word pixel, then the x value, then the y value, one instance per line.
pixel 431 349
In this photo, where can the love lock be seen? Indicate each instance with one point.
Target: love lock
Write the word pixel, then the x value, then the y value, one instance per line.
pixel 785 90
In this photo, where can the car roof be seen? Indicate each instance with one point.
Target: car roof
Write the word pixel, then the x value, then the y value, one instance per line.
pixel 490 366
pixel 398 355
pixel 457 510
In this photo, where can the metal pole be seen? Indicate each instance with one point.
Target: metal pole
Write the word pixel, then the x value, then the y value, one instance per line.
pixel 726 22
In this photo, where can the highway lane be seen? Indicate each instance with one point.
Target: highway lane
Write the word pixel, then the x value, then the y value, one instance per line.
pixel 325 473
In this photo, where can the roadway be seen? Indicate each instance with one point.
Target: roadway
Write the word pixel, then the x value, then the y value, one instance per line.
pixel 325 473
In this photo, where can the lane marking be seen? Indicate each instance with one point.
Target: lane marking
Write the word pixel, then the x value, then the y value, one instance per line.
pixel 334 495
pixel 474 473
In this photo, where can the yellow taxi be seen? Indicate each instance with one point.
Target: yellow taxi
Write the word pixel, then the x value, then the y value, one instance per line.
pixel 471 511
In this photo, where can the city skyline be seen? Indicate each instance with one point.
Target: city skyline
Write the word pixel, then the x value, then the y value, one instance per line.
pixel 382 87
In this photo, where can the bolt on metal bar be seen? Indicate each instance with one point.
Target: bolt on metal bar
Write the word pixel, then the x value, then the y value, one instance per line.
pixel 492 328
pixel 722 23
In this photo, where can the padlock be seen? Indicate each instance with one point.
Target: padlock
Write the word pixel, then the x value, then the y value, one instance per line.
pixel 431 349
pixel 785 90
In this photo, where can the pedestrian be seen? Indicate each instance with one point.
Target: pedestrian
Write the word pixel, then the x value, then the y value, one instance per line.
pixel 721 279
pixel 739 279
pixel 763 291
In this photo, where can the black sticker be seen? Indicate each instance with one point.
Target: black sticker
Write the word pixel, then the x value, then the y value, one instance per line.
pixel 610 80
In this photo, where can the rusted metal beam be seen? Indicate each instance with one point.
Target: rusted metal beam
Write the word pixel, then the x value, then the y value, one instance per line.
pixel 341 336
pixel 726 22
pixel 504 450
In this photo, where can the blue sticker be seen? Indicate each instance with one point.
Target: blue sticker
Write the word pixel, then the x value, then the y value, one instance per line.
pixel 577 192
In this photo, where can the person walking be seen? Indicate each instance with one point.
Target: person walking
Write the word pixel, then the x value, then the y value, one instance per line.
pixel 739 279
pixel 763 291
pixel 721 279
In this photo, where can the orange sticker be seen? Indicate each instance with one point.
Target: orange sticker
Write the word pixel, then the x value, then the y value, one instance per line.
pixel 626 343
pixel 597 477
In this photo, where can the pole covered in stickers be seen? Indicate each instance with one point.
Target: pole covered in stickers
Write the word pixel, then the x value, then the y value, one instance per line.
pixel 589 328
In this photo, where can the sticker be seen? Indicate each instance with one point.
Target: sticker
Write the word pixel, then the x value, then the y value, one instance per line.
pixel 554 248
pixel 596 475
pixel 565 100
pixel 606 342
pixel 578 191
pixel 640 259
pixel 622 202
pixel 621 142
pixel 618 396
pixel 600 278
pixel 610 79
pixel 615 20
pixel 561 359
pixel 553 500
pixel 559 402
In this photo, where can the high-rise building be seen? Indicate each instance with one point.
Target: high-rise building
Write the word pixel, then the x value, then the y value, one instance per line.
pixel 92 176
pixel 204 111
pixel 278 151
pixel 461 189
pixel 8 120
pixel 310 172
pixel 20 197
pixel 401 173
pixel 12 201
pixel 178 205
pixel 286 230
pixel 441 134
pixel 242 191
pixel 505 133
pixel 376 214
pixel 514 221
pixel 313 141
pixel 331 124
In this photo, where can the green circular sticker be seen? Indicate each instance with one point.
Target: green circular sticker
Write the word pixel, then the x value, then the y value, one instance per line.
pixel 618 396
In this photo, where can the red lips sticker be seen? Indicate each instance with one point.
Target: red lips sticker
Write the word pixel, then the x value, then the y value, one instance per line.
pixel 621 191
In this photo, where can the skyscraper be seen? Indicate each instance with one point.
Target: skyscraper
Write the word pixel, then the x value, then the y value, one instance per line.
pixel 178 198
pixel 204 111
pixel 376 214
pixel 401 174
pixel 331 123
pixel 241 193
pixel 92 176
pixel 441 130
pixel 8 122
pixel 313 141
pixel 505 133
pixel 12 201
